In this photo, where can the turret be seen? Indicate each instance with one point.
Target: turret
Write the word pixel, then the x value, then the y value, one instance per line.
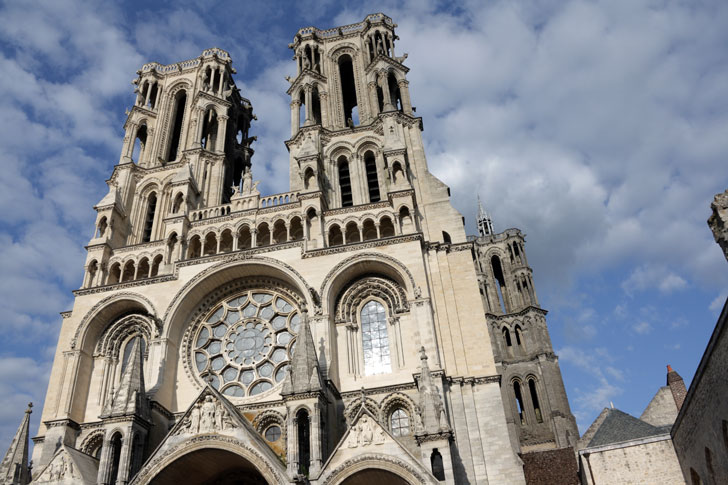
pixel 14 469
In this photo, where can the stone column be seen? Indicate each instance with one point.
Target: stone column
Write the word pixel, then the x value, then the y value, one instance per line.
pixel 106 452
pixel 254 237
pixel 323 103
pixel 315 433
pixel 307 104
pixel 221 132
pixel 404 93
pixel 149 91
pixel 125 459
pixel 293 447
pixel 295 116
pixel 384 84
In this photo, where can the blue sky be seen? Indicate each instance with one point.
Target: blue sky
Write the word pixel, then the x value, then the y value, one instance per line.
pixel 596 127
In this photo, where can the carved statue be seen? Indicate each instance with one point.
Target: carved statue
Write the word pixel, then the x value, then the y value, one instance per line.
pixel 194 426
pixel 366 433
pixel 418 419
pixel 379 437
pixel 306 63
pixel 353 440
pixel 247 181
pixel 207 418
pixel 440 408
pixel 380 46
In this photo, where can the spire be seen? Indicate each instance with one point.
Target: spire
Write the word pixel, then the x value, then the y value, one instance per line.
pixel 130 398
pixel 431 408
pixel 14 469
pixel 485 224
pixel 303 372
pixel 677 386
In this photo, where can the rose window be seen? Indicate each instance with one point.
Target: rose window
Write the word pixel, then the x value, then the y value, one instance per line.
pixel 244 345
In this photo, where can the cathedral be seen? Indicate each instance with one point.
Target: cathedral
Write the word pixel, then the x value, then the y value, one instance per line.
pixel 347 331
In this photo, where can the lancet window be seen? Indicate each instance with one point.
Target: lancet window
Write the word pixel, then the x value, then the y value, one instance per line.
pixel 345 182
pixel 149 219
pixel 370 166
pixel 177 117
pixel 375 340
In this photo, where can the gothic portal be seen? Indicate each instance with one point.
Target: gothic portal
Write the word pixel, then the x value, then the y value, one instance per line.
pixel 344 332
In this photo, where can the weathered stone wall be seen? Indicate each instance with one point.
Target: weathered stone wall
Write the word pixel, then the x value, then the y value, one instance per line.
pixel 700 433
pixel 640 462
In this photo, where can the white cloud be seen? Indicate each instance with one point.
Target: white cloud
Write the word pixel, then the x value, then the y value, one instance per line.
pixel 642 328
pixel 647 277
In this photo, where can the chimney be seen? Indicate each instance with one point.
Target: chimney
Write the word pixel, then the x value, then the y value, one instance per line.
pixel 677 386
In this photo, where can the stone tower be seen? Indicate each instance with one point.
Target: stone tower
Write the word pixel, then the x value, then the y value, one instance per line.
pixel 537 409
pixel 333 333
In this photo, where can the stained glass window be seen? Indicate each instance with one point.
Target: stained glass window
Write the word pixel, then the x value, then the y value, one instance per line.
pixel 243 346
pixel 400 422
pixel 375 341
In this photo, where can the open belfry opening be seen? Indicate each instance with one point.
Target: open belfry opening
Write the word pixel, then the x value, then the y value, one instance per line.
pixel 346 331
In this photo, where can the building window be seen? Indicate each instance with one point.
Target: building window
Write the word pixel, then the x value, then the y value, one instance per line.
pixel 345 183
pixel 304 445
pixel 399 422
pixel 149 219
pixel 709 461
pixel 370 165
pixel 179 113
pixel 507 337
pixel 695 478
pixel 375 340
pixel 438 470
pixel 534 400
pixel 245 342
pixel 273 433
pixel 519 402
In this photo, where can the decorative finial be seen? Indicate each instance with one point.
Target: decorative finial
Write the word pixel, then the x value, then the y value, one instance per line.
pixel 669 368
pixel 30 408
pixel 423 355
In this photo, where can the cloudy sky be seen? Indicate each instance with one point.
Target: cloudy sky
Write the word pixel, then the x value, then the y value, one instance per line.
pixel 599 128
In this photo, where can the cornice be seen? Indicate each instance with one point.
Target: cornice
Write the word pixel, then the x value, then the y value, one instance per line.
pixel 374 243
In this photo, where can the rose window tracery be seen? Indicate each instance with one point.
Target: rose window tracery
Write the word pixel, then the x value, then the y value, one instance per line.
pixel 244 344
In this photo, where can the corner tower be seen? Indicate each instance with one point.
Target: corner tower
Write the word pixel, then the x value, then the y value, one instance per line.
pixel 537 409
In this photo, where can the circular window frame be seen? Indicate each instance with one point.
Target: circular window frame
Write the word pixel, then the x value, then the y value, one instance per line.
pixel 211 304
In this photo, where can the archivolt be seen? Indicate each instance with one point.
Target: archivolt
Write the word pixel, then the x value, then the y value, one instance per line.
pixel 348 301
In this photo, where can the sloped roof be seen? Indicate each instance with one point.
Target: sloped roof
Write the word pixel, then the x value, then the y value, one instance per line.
pixel 619 427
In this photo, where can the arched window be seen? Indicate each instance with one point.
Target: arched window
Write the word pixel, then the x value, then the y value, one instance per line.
pixel 209 130
pixel 262 238
pixel 226 241
pixel 210 244
pixel 194 249
pixel 534 400
pixel 352 233
pixel 335 236
pixel 304 445
pixel 102 227
pixel 507 337
pixel 495 264
pixel 93 267
pixel 348 90
pixel 438 470
pixel 115 459
pixel 386 227
pixel 695 478
pixel 517 331
pixel 128 273
pixel 519 402
pixel 309 179
pixel 709 462
pixel 149 219
pixel 399 422
pixel 345 182
pixel 316 106
pixel 143 270
pixel 140 142
pixel 114 274
pixel 296 229
pixel 178 201
pixel 155 265
pixel 245 239
pixel 179 113
pixel 370 166
pixel 446 238
pixel 394 92
pixel 375 340
pixel 369 230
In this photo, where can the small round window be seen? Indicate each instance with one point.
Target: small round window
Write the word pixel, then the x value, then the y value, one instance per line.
pixel 273 433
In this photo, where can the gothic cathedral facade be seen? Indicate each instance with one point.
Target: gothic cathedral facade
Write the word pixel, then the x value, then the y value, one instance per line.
pixel 344 332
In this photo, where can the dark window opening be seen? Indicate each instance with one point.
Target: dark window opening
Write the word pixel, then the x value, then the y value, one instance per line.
pixel 507 337
pixel 394 92
pixel 304 446
pixel 380 98
pixel 115 458
pixel 500 280
pixel 446 238
pixel 534 400
pixel 348 90
pixel 518 335
pixel 209 131
pixel 370 165
pixel 345 183
pixel 149 220
pixel 179 113
pixel 438 470
pixel 316 106
pixel 519 402
pixel 140 142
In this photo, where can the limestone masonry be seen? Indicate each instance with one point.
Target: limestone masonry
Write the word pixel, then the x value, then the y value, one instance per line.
pixel 344 332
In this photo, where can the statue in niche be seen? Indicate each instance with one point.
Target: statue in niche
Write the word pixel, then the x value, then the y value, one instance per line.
pixel 353 440
pixel 247 181
pixel 418 419
pixel 306 63
pixel 440 409
pixel 380 46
